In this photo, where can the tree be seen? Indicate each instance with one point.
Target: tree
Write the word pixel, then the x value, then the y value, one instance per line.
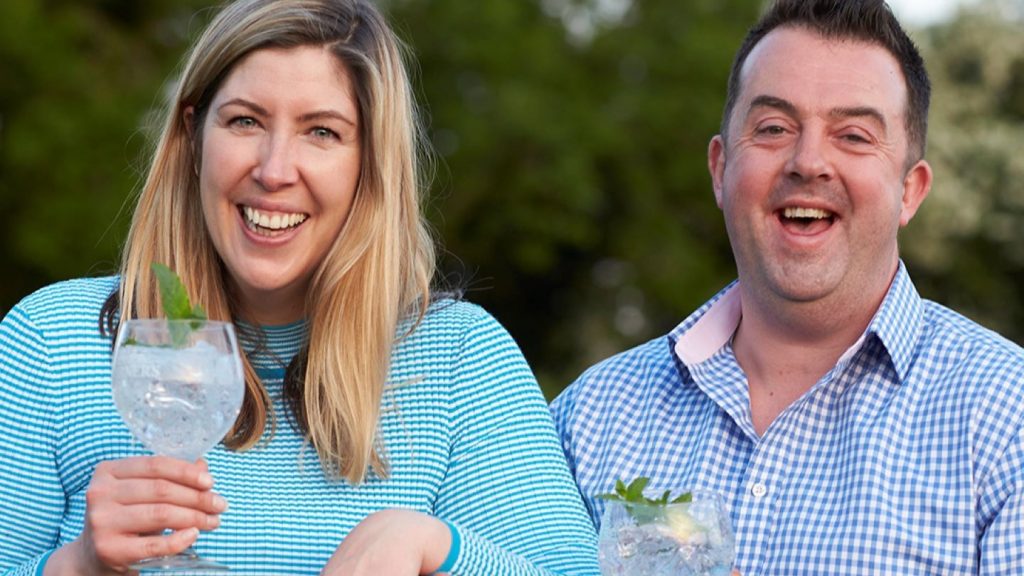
pixel 79 80
pixel 573 193
pixel 964 247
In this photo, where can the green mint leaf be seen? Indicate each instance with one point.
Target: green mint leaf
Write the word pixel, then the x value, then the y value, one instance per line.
pixel 687 497
pixel 179 333
pixel 177 305
pixel 635 490
pixel 172 293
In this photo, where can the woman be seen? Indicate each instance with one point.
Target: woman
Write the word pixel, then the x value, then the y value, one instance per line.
pixel 381 432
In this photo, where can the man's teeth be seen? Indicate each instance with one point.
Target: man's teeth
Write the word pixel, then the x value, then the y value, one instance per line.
pixel 814 213
pixel 273 222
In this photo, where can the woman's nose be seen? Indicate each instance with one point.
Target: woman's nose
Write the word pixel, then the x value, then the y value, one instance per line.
pixel 277 167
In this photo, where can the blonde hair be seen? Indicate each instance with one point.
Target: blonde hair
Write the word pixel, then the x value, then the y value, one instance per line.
pixel 379 268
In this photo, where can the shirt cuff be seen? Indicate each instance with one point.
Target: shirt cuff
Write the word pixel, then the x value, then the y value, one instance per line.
pixel 453 550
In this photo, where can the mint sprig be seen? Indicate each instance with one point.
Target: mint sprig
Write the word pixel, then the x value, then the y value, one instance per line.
pixel 642 508
pixel 174 296
pixel 633 493
pixel 177 305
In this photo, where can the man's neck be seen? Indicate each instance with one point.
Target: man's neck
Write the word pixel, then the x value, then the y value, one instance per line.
pixel 784 349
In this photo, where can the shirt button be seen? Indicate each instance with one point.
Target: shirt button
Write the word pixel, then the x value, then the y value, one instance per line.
pixel 759 490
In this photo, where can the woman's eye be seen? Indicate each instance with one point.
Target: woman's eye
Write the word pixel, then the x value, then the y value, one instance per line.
pixel 324 133
pixel 245 122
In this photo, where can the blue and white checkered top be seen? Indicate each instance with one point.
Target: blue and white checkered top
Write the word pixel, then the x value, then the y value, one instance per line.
pixel 906 458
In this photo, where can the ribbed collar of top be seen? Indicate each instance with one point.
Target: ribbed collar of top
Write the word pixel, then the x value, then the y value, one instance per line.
pixel 897 324
pixel 272 347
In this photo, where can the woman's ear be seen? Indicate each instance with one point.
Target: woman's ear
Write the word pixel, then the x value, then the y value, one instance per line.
pixel 189 118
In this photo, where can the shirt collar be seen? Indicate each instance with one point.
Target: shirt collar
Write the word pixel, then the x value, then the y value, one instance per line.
pixel 896 324
pixel 272 346
pixel 704 333
pixel 899 320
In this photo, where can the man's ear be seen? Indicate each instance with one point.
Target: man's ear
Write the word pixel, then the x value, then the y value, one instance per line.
pixel 916 185
pixel 716 165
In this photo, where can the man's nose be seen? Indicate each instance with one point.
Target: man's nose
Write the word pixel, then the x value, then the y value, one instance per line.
pixel 810 159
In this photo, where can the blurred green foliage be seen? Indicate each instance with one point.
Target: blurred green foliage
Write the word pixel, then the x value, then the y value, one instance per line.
pixel 77 80
pixel 571 193
pixel 965 248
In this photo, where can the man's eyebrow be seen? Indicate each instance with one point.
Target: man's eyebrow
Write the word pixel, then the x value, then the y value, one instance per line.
pixel 861 112
pixel 765 101
pixel 781 104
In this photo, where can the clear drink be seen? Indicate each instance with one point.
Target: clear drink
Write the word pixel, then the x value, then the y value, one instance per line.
pixel 178 403
pixel 178 385
pixel 683 539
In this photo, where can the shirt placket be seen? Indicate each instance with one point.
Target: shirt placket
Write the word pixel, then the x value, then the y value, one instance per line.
pixel 763 493
pixel 771 471
pixel 750 490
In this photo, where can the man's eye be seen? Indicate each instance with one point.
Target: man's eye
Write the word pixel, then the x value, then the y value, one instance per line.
pixel 771 130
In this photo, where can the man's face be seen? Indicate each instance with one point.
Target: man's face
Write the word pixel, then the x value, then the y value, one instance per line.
pixel 813 178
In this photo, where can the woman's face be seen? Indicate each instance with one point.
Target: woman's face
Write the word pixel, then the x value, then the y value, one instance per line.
pixel 280 163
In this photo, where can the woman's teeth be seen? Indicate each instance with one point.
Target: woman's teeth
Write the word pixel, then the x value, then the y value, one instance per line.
pixel 263 222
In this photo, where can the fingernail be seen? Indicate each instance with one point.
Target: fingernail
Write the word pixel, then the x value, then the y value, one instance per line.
pixel 205 479
pixel 212 520
pixel 219 503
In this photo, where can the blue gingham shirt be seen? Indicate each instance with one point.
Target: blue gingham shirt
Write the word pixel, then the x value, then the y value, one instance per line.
pixel 907 457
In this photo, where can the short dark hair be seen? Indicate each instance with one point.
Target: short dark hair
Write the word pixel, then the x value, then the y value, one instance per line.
pixel 865 20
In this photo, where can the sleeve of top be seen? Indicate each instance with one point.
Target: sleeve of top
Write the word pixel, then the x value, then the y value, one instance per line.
pixel 32 498
pixel 508 491
pixel 561 409
pixel 1002 499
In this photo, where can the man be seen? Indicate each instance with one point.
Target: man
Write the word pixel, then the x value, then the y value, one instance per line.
pixel 853 427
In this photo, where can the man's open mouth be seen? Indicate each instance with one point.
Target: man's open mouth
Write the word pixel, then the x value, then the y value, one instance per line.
pixel 806 220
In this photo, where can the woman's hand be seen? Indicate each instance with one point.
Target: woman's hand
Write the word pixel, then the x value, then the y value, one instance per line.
pixel 128 505
pixel 392 543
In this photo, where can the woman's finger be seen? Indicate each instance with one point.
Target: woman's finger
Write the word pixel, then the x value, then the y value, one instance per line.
pixel 154 518
pixel 191 474
pixel 160 491
pixel 125 551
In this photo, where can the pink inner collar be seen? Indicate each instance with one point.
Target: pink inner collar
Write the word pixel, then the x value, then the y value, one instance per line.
pixel 713 330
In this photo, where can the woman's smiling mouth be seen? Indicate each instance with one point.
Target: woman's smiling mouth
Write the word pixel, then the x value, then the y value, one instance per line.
pixel 270 223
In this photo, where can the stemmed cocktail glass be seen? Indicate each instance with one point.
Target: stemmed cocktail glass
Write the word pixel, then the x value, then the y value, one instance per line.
pixel 178 385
